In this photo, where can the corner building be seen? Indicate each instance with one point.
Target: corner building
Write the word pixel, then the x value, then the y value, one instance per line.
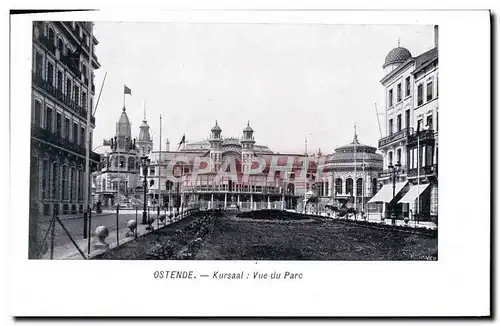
pixel 62 92
pixel 411 128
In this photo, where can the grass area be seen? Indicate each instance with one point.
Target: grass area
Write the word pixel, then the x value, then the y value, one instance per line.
pixel 325 240
pixel 270 214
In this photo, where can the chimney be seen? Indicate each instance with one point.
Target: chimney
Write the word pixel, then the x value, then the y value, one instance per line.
pixel 436 35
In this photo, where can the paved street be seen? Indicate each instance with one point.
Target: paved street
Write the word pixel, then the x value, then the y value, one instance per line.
pixel 74 224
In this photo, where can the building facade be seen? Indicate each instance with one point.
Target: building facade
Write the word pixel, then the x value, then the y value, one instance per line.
pixel 261 179
pixel 63 89
pixel 411 88
pixel 351 173
pixel 117 182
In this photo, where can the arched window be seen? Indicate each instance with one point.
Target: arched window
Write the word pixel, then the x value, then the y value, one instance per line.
pixel 151 182
pixel 338 186
pixel 131 163
pixel 168 185
pixel 84 70
pixel 359 187
pixel 60 45
pixel 291 189
pixel 374 186
pixel 50 35
pixel 122 161
pixel 349 186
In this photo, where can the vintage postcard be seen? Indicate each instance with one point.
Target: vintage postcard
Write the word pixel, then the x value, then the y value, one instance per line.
pixel 242 152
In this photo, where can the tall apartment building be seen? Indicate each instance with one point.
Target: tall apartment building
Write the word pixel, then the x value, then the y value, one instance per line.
pixel 62 70
pixel 411 126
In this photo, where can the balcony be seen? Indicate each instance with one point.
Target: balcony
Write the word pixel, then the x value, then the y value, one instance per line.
pixel 57 140
pixel 425 171
pixel 70 63
pixel 38 81
pixel 401 135
pixel 387 173
pixel 47 43
pixel 425 137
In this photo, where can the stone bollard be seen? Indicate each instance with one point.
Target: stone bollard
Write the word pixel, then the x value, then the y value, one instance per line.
pixel 101 233
pixel 132 225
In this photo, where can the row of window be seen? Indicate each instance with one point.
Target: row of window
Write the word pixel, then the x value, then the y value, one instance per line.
pixel 65 49
pixel 349 186
pixel 429 92
pixel 399 92
pixel 420 123
pixel 54 121
pixel 62 82
pixel 426 156
pixel 56 181
pixel 420 92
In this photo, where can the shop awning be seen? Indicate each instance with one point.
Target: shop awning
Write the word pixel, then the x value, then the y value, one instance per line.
pixel 413 193
pixel 385 194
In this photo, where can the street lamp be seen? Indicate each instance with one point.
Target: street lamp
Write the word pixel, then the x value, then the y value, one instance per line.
pixel 145 166
pixel 394 170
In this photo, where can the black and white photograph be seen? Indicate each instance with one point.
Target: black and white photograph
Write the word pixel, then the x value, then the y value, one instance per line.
pixel 234 141
pixel 252 151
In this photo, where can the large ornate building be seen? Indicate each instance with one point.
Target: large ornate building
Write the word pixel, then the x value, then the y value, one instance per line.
pixel 63 67
pixel 266 188
pixel 118 177
pixel 411 86
pixel 350 173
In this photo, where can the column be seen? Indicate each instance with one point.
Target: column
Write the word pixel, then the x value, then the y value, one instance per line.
pixel 239 204
pixel 268 202
pixel 225 200
pixel 212 202
pixel 251 201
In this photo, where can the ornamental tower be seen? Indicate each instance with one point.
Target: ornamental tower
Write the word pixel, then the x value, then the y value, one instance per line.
pixel 216 146
pixel 247 147
pixel 144 142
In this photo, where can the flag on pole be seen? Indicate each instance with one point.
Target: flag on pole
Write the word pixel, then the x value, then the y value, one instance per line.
pixel 183 141
pixel 127 90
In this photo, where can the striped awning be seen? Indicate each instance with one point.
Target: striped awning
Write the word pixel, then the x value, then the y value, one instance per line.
pixel 385 194
pixel 413 193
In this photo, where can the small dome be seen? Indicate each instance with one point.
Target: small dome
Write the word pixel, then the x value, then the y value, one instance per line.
pixel 216 127
pixel 144 133
pixel 397 55
pixel 123 125
pixel 248 128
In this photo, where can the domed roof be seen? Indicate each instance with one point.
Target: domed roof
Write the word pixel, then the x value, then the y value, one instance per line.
pixel 144 133
pixel 397 55
pixel 216 127
pixel 248 128
pixel 123 125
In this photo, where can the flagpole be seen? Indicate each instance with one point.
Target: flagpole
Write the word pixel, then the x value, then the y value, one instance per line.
pixel 87 140
pixel 305 176
pixel 159 171
pixel 355 177
pixel 418 174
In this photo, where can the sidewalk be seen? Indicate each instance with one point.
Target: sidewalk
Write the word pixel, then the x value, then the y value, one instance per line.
pixel 375 218
pixel 68 250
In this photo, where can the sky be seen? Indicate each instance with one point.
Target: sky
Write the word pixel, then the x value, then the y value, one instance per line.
pixel 291 81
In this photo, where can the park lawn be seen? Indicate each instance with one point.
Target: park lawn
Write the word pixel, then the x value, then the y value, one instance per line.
pixel 327 240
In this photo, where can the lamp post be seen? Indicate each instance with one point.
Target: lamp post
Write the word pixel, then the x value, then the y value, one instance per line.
pixel 394 170
pixel 145 166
